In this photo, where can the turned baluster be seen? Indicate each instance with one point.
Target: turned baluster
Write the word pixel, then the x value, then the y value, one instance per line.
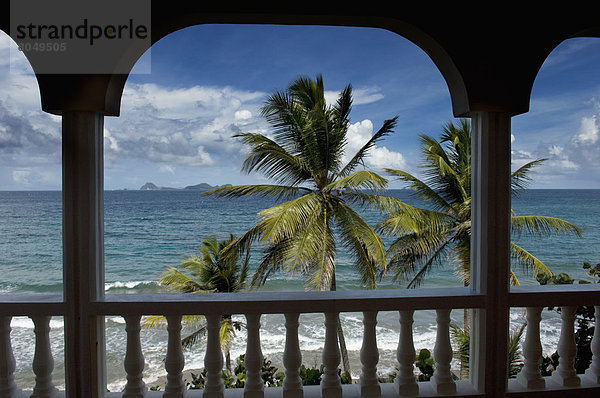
pixel 405 383
pixel 8 388
pixel 565 373
pixel 530 375
pixel 369 357
pixel 174 362
pixel 43 362
pixel 330 382
pixel 292 359
pixel 134 359
pixel 593 372
pixel 254 386
pixel 213 360
pixel 441 380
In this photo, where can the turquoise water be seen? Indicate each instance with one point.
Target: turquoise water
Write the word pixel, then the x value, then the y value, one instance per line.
pixel 145 231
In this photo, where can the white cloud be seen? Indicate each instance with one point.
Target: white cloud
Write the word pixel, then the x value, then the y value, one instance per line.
pixel 190 126
pixel 360 96
pixel 21 176
pixel 379 156
pixel 165 168
pixel 588 132
pixel 243 114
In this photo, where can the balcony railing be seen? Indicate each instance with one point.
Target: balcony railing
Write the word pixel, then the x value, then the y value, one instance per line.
pixel 563 381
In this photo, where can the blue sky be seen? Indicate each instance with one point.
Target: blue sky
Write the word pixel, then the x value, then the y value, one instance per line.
pixel 208 83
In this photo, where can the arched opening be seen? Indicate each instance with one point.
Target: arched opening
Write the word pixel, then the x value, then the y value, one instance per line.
pixel 561 128
pixel 30 202
pixel 175 130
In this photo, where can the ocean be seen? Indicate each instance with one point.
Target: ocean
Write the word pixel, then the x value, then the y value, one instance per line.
pixel 146 231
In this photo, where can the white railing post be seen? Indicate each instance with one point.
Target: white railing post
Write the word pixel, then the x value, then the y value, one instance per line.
pixel 174 362
pixel 406 382
pixel 254 386
pixel 8 387
pixel 292 358
pixel 441 380
pixel 43 363
pixel 369 357
pixel 593 372
pixel 530 375
pixel 213 360
pixel 565 374
pixel 330 382
pixel 134 359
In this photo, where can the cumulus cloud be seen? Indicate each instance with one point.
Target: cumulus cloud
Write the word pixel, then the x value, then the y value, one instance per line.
pixel 567 161
pixel 379 156
pixel 588 132
pixel 191 126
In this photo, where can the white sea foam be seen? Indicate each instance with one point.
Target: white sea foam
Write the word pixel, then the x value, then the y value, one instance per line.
pixel 127 285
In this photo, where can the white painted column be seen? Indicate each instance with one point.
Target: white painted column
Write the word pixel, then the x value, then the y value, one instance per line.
pixel 593 372
pixel 43 362
pixel 134 359
pixel 330 381
pixel 565 374
pixel 213 360
pixel 441 380
pixel 406 381
pixel 8 388
pixel 83 251
pixel 530 375
pixel 292 358
pixel 490 250
pixel 174 362
pixel 369 357
pixel 254 386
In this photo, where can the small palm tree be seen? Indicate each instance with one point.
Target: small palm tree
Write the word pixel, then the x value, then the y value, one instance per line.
pixel 426 237
pixel 208 271
pixel 305 158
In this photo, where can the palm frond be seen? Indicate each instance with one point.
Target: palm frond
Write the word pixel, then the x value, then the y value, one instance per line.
pixel 359 156
pixel 543 226
pixel 421 189
pixel 274 161
pixel 520 178
pixel 285 219
pixel 359 180
pixel 175 280
pixel 193 338
pixel 528 261
pixel 264 190
pixel 363 242
pixel 152 321
pixel 412 256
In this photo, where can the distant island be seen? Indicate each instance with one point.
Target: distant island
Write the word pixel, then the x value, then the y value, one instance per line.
pixel 198 187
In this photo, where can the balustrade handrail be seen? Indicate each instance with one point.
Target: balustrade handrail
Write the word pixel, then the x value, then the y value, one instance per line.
pixel 287 302
pixel 271 302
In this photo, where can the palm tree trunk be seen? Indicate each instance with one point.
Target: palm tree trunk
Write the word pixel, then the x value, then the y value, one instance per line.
pixel 341 338
pixel 464 369
pixel 343 350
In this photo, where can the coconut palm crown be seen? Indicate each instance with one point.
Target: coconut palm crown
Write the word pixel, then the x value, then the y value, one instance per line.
pixel 425 237
pixel 306 159
pixel 207 271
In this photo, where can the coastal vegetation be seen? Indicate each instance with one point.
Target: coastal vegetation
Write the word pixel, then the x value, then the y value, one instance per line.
pixel 306 159
pixel 426 237
pixel 205 272
pixel 318 187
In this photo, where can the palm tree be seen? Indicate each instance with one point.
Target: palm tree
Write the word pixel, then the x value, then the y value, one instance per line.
pixel 426 237
pixel 207 271
pixel 305 158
